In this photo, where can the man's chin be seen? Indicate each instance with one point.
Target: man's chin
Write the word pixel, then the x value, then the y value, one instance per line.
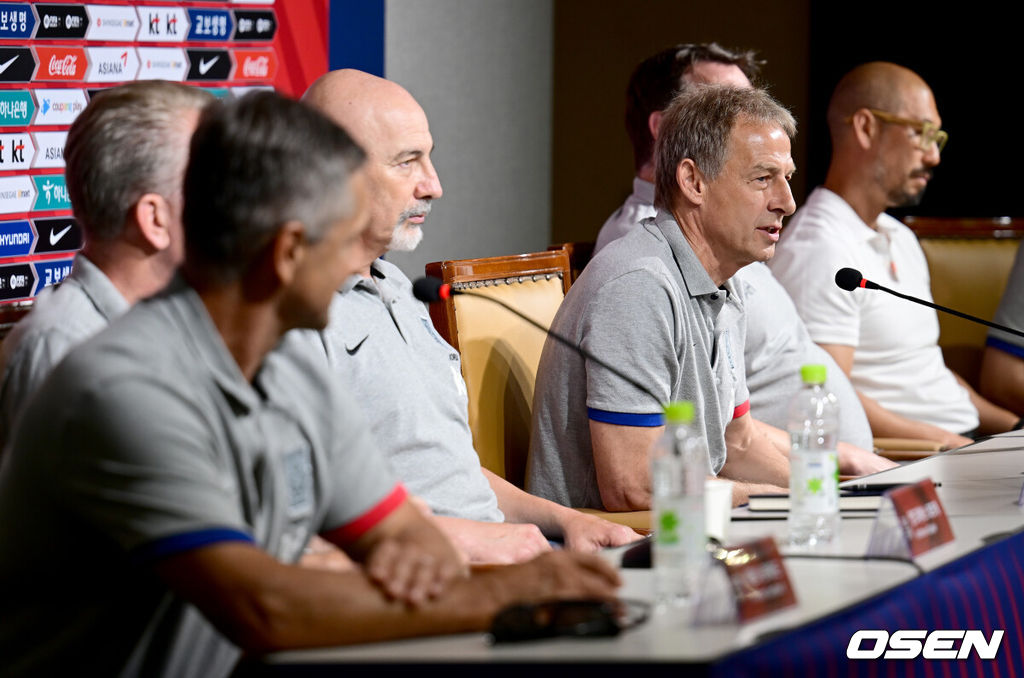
pixel 405 239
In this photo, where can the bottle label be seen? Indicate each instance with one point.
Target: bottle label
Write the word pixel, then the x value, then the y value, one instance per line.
pixel 814 481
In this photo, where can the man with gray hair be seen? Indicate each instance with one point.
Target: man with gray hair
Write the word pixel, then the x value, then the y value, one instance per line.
pixel 199 443
pixel 125 157
pixel 405 376
pixel 658 304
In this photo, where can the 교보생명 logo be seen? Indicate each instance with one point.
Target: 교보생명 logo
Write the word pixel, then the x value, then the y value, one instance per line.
pixel 209 24
pixel 16 20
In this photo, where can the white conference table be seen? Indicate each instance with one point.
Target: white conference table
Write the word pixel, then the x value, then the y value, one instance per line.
pixel 979 487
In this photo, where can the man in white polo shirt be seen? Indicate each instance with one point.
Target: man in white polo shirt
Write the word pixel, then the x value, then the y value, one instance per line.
pixel 886 139
pixel 657 304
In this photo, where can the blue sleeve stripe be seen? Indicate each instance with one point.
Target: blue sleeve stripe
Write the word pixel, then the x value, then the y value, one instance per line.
pixel 170 546
pixel 626 418
pixel 1005 347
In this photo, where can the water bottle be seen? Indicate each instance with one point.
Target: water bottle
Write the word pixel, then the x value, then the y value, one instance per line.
pixel 814 461
pixel 678 468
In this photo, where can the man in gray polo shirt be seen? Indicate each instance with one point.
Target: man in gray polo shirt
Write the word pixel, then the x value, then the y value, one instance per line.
pixel 777 342
pixel 125 156
pixel 405 376
pixel 656 303
pixel 184 465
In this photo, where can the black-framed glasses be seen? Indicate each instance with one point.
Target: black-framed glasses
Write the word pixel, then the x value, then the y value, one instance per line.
pixel 928 133
pixel 574 618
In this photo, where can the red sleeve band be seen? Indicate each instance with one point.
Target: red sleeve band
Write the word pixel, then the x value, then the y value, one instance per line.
pixel 741 409
pixel 351 531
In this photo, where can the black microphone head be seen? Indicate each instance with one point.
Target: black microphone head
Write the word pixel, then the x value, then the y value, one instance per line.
pixel 430 289
pixel 848 279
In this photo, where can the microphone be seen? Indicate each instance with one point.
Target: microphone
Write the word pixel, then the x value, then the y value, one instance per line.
pixel 850 278
pixel 429 289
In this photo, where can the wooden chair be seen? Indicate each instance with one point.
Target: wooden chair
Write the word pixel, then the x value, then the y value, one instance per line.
pixel 969 261
pixel 500 352
pixel 579 256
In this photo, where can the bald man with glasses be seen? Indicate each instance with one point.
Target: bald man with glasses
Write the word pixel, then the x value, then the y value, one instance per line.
pixel 886 139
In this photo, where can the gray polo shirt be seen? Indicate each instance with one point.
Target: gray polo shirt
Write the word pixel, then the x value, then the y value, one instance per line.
pixel 409 383
pixel 61 318
pixel 1011 311
pixel 646 305
pixel 145 442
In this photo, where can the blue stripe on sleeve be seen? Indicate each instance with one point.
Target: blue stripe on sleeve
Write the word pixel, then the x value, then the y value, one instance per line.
pixel 626 418
pixel 169 546
pixel 1005 347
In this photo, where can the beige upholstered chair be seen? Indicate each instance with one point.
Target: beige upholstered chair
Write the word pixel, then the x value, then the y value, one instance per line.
pixel 969 261
pixel 500 352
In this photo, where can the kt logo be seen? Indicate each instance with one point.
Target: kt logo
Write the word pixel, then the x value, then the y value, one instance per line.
pixel 17 151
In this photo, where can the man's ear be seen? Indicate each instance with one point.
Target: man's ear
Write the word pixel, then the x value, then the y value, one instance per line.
pixel 653 122
pixel 866 128
pixel 288 249
pixel 153 215
pixel 691 182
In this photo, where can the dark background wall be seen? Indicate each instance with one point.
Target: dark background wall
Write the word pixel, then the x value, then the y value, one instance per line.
pixel 596 46
pixel 970 58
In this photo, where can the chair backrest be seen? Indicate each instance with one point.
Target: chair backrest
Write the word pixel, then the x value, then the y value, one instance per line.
pixel 579 253
pixel 500 351
pixel 10 314
pixel 969 261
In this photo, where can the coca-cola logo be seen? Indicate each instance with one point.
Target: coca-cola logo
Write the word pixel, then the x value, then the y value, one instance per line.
pixel 68 66
pixel 258 67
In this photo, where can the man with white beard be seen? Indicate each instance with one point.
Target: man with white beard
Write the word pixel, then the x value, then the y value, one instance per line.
pixel 407 378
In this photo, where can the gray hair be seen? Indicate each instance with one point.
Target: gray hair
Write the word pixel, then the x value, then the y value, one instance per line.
pixel 257 163
pixel 129 141
pixel 698 125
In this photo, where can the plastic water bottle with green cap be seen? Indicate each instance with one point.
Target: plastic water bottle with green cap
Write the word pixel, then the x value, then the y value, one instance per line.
pixel 813 461
pixel 678 468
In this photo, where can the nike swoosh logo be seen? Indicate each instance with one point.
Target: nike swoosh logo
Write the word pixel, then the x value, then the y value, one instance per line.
pixel 55 237
pixel 205 66
pixel 4 66
pixel 352 351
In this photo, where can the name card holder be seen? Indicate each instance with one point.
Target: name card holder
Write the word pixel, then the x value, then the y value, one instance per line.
pixel 911 521
pixel 749 582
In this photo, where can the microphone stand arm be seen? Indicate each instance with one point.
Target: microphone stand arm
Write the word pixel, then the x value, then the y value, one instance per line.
pixel 951 311
pixel 565 341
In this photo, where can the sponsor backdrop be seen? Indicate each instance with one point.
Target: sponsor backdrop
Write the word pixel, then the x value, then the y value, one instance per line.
pixel 55 55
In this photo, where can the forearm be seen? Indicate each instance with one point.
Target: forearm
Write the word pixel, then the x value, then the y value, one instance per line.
pixel 991 417
pixel 1002 379
pixel 751 457
pixel 263 605
pixel 523 507
pixel 887 424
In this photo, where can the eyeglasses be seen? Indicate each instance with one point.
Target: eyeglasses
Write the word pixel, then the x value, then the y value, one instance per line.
pixel 928 132
pixel 579 618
